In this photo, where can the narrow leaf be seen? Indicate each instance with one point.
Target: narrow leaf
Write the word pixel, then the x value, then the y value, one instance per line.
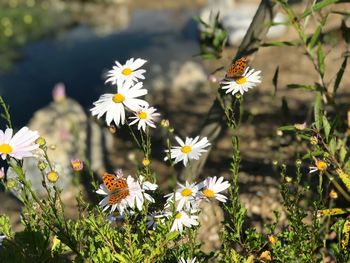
pixel 275 80
pixel 333 211
pixel 301 86
pixel 340 74
pixel 317 7
pixel 278 44
pixel 332 146
pixel 326 127
pixel 320 59
pixel 317 33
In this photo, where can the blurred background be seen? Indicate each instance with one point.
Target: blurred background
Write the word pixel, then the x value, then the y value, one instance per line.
pixel 54 56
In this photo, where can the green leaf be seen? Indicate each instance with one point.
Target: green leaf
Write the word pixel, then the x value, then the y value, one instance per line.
pixel 287 128
pixel 326 127
pixel 320 59
pixel 340 74
pixel 172 236
pixel 312 154
pixel 317 33
pixel 316 7
pixel 279 44
pixel 318 111
pixel 332 146
pixel 342 153
pixel 301 86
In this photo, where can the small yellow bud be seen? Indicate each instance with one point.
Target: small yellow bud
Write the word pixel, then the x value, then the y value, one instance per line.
pixel 42 165
pixel 52 176
pixel 164 123
pixel 146 162
pixel 272 239
pixel 10 184
pixel 40 141
pixel 77 165
pixel 333 194
pixel 288 179
pixel 314 140
pixel 279 133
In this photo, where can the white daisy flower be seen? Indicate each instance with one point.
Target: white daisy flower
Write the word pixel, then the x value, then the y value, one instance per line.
pixel 188 150
pixel 213 186
pixel 188 260
pixel 133 195
pixel 249 80
pixel 114 104
pixel 147 186
pixel 2 237
pixel 183 219
pixel 129 72
pixel 145 116
pixel 185 196
pixel 20 145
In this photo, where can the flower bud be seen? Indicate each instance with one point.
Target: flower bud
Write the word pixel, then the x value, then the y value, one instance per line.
pixel 41 142
pixel 42 165
pixel 333 194
pixel 272 239
pixel 314 140
pixel 164 123
pixel 77 165
pixel 146 162
pixel 10 184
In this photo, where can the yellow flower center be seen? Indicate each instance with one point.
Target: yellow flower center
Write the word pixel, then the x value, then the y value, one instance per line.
pixel 142 115
pixel 186 192
pixel 321 165
pixel 208 193
pixel 241 80
pixel 127 71
pixel 52 176
pixel 118 98
pixel 178 215
pixel 6 148
pixel 186 149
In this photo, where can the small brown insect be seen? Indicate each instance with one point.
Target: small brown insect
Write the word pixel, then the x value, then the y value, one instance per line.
pixel 117 187
pixel 236 69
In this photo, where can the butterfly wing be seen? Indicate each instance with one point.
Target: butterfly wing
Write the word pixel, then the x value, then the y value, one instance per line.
pixel 113 183
pixel 237 68
pixel 116 197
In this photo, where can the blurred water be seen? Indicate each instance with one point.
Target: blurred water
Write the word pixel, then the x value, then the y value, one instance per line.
pixel 79 57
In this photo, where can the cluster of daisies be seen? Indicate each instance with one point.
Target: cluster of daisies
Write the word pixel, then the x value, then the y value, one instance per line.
pixel 182 206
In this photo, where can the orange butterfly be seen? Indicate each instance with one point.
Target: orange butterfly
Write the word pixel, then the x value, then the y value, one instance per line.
pixel 237 68
pixel 117 187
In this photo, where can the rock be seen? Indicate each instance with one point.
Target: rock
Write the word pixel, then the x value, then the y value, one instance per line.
pixel 189 76
pixel 210 226
pixel 236 19
pixel 69 134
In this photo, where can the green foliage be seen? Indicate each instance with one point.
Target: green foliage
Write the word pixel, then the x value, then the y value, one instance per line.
pixel 310 211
